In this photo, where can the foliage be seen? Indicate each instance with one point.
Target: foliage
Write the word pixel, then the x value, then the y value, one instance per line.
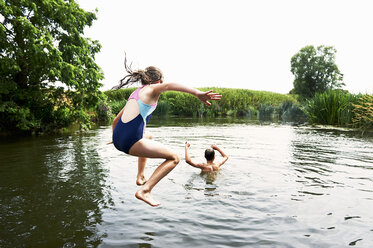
pixel 315 71
pixel 333 107
pixel 266 112
pixel 235 102
pixel 363 111
pixel 162 108
pixel 119 95
pixel 47 69
pixel 103 112
pixel 116 106
pixel 291 112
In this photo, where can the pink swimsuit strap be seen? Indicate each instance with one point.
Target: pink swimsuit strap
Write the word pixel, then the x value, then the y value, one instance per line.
pixel 135 95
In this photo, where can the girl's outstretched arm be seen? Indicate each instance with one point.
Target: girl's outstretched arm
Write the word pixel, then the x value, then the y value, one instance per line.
pixel 203 96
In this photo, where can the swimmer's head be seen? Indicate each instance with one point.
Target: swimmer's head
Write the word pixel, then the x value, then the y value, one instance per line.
pixel 209 154
pixel 150 75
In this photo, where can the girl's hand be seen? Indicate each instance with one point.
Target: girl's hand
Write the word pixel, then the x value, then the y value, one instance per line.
pixel 207 96
pixel 187 145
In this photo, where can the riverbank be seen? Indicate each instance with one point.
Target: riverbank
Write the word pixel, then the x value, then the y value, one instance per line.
pixel 260 105
pixel 336 108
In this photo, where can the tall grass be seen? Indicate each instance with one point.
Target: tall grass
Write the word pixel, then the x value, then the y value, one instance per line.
pixel 235 102
pixel 363 111
pixel 334 107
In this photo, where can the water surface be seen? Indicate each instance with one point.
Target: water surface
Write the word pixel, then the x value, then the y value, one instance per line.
pixel 282 186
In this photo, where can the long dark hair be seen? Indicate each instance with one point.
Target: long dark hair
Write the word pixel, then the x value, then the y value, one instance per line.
pixel 150 75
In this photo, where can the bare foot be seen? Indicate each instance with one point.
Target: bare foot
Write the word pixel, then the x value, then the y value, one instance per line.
pixel 140 181
pixel 146 197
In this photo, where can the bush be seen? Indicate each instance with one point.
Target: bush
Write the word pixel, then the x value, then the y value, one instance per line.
pixel 119 95
pixel 162 108
pixel 266 112
pixel 117 106
pixel 333 107
pixel 363 113
pixel 291 112
pixel 104 112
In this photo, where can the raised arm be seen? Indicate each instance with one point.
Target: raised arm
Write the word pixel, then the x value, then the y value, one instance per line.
pixel 203 96
pixel 188 159
pixel 225 157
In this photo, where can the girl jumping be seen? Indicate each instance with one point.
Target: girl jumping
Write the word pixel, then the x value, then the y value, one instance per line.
pixel 129 125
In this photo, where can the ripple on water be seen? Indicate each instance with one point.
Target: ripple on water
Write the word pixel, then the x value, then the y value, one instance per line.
pixel 281 187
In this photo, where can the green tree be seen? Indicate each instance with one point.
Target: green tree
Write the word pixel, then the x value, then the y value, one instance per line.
pixel 47 69
pixel 315 71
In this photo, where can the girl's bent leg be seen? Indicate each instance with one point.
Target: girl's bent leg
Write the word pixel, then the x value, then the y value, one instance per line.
pixel 151 149
pixel 141 180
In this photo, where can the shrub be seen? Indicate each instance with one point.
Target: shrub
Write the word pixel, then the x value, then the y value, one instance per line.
pixel 363 113
pixel 104 112
pixel 117 106
pixel 333 107
pixel 266 112
pixel 291 112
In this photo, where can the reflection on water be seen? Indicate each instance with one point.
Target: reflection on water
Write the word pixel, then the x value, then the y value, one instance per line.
pixel 282 186
pixel 52 192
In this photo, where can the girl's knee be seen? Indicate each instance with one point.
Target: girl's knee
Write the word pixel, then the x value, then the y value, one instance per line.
pixel 175 158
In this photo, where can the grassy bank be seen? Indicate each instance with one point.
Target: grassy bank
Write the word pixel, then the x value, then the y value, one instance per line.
pixel 337 108
pixel 341 108
pixel 235 102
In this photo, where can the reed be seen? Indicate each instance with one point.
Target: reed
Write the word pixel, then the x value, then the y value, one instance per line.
pixel 333 107
pixel 235 102
pixel 363 113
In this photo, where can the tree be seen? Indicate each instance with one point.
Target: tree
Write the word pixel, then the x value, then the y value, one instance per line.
pixel 47 69
pixel 315 70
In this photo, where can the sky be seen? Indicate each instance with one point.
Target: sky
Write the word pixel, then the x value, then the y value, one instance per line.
pixel 231 43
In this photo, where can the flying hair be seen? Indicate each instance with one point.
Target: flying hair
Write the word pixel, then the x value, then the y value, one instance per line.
pixel 148 76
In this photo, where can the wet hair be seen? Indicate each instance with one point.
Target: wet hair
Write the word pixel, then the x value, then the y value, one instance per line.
pixel 209 154
pixel 150 75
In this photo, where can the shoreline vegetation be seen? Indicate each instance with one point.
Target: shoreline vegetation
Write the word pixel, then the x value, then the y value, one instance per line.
pixel 333 109
pixel 336 108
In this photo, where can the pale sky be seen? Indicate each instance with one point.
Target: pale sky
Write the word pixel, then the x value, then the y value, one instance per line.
pixel 232 43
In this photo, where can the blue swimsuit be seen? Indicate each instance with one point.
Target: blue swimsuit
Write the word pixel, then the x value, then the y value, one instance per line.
pixel 125 135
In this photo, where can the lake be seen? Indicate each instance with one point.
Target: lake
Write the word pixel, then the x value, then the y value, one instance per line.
pixel 283 186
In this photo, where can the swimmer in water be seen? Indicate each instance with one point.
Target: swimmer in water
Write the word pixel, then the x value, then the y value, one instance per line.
pixel 210 164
